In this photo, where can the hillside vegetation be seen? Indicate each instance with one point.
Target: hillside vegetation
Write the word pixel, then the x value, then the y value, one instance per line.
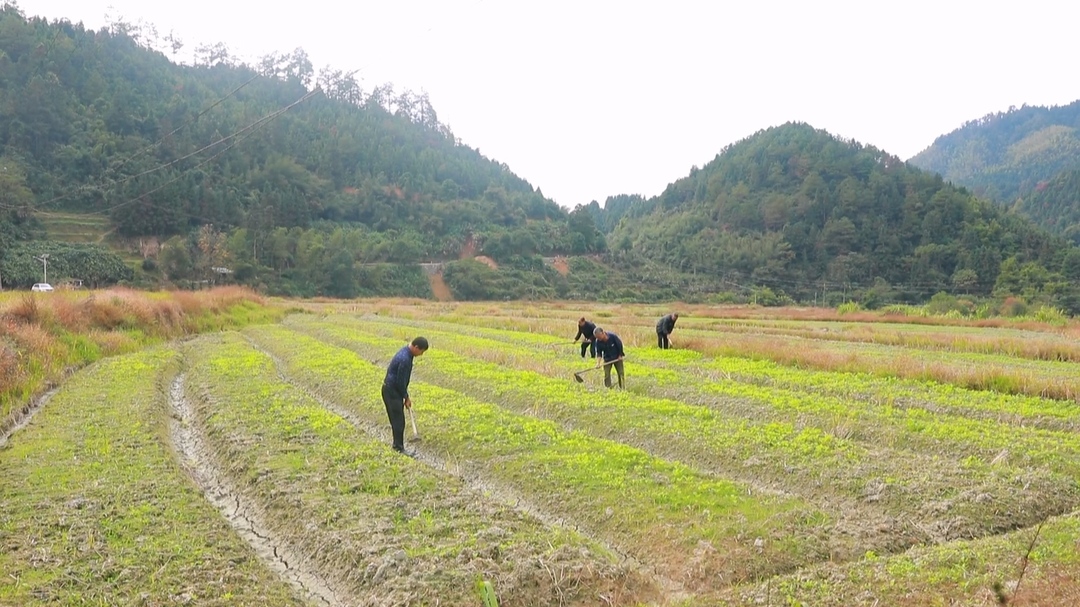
pixel 288 176
pixel 1026 158
pixel 801 212
pixel 1006 154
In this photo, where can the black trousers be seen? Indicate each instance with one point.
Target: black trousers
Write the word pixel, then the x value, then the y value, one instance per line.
pixel 662 341
pixel 395 410
pixel 590 346
pixel 618 370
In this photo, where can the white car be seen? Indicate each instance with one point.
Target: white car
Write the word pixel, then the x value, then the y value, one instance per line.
pixel 42 286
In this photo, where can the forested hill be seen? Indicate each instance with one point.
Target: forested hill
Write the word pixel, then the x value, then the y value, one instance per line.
pixel 1054 204
pixel 798 210
pixel 277 157
pixel 1003 155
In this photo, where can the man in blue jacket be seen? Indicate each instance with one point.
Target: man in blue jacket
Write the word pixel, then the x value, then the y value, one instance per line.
pixel 395 389
pixel 610 348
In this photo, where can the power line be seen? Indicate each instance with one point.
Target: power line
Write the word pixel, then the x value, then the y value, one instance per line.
pixel 185 125
pixel 250 129
pixel 246 131
pixel 142 151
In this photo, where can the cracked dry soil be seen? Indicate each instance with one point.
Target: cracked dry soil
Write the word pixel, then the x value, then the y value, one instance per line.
pixel 241 513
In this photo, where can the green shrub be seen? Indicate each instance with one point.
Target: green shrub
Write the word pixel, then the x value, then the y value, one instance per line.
pixel 1051 315
pixel 848 307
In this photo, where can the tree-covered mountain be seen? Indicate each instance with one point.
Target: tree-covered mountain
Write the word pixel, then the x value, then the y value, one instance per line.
pixel 615 207
pixel 800 211
pixel 1004 155
pixel 1054 204
pixel 1022 158
pixel 300 173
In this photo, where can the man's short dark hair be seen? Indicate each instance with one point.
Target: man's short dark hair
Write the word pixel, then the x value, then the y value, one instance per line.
pixel 420 342
pixel 581 320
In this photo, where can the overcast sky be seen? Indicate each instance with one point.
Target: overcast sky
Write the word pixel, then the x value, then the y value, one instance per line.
pixel 588 99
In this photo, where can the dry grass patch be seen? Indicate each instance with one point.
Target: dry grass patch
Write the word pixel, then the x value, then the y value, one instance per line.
pixel 44 335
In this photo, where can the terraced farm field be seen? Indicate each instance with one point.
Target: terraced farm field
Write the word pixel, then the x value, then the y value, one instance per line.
pixel 766 460
pixel 75 227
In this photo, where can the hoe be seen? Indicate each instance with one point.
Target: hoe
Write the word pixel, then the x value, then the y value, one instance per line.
pixel 580 380
pixel 415 433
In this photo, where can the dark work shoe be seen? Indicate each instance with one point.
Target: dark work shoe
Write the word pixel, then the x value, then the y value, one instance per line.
pixel 402 451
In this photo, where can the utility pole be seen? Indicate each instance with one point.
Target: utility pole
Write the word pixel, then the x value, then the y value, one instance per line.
pixel 44 259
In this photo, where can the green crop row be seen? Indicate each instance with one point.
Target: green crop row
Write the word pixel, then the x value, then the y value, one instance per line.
pixel 733 437
pixel 862 418
pixel 385 528
pixel 805 461
pixel 1023 408
pixel 95 510
pixel 997 371
pixel 1018 409
pixel 657 510
pixel 873 410
pixel 970 498
pixel 964 574
pixel 1043 373
pixel 1037 345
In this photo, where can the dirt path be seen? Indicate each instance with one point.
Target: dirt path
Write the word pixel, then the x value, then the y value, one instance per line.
pixel 18 420
pixel 561 266
pixel 439 287
pixel 239 512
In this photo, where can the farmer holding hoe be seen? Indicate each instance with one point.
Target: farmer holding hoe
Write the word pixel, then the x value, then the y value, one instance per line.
pixel 664 327
pixel 395 389
pixel 585 330
pixel 611 351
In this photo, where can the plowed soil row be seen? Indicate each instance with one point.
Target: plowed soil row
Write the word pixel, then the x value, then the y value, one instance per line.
pixel 378 527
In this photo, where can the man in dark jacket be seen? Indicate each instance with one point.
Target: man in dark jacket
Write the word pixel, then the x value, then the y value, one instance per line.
pixel 664 327
pixel 611 351
pixel 395 389
pixel 585 330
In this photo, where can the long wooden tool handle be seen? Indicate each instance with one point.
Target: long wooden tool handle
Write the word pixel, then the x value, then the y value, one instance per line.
pixel 610 362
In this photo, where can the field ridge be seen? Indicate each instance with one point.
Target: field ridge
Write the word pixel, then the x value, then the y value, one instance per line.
pixel 242 515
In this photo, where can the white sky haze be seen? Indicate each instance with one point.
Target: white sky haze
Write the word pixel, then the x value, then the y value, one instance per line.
pixel 591 99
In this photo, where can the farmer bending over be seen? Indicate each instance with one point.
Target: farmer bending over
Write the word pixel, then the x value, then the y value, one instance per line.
pixel 610 348
pixel 395 389
pixel 664 327
pixel 585 329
